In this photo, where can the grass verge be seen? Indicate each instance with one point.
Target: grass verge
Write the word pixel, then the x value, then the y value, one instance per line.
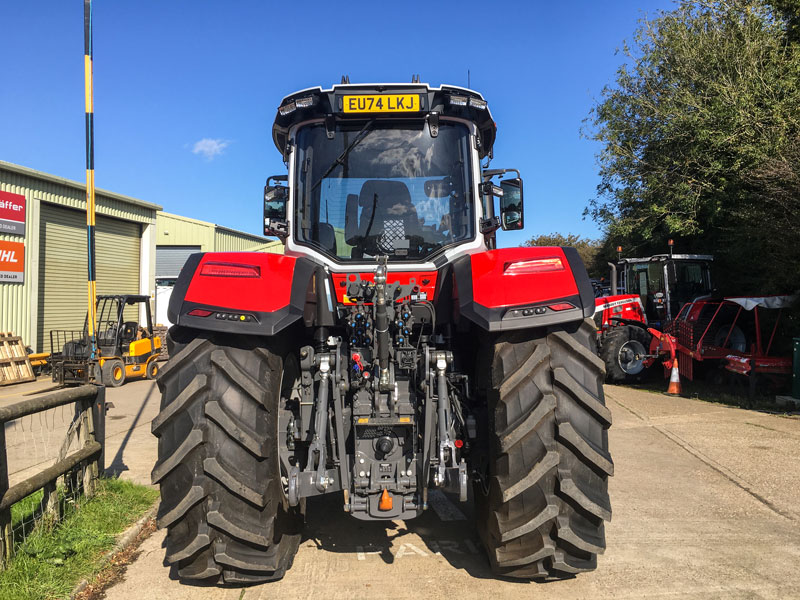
pixel 54 558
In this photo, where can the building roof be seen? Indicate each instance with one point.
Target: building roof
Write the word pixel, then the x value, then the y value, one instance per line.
pixel 75 184
pixel 256 238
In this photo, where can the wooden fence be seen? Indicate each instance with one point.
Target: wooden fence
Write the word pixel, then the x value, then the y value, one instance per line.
pixel 86 462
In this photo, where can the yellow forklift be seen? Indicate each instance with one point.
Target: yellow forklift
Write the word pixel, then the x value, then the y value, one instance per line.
pixel 126 349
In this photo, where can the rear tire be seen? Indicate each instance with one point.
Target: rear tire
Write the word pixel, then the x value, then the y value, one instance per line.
pixel 222 499
pixel 617 341
pixel 543 513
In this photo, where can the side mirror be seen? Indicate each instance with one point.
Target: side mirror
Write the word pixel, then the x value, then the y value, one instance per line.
pixel 511 204
pixel 276 197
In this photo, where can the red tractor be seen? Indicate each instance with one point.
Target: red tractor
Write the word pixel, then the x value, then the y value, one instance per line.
pixel 656 288
pixel 393 351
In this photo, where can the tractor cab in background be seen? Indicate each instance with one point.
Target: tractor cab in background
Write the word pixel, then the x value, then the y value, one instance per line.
pixel 665 282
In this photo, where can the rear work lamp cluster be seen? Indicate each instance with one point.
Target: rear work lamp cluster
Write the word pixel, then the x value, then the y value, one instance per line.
pixel 290 107
pixel 452 100
pixel 456 100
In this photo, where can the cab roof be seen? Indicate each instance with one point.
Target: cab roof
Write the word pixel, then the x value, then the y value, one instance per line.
pixel 447 100
pixel 666 257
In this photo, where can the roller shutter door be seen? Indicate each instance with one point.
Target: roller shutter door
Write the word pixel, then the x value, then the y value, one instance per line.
pixel 62 267
pixel 170 260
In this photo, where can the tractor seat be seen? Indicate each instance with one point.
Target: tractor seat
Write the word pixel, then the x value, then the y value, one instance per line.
pixel 387 217
pixel 129 329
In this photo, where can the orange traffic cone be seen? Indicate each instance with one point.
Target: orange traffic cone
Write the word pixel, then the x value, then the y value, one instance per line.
pixel 674 379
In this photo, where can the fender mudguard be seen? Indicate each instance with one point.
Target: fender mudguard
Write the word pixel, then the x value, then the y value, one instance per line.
pixel 248 293
pixel 519 288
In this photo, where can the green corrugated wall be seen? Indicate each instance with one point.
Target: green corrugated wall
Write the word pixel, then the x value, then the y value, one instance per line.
pixel 17 300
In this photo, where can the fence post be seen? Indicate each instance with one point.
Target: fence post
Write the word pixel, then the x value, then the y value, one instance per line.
pixel 50 503
pixel 99 418
pixel 87 436
pixel 6 541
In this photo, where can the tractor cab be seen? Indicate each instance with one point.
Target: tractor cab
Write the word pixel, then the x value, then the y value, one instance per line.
pixel 386 170
pixel 665 282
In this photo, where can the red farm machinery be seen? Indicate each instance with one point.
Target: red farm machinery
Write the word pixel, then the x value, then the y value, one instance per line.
pixel 653 291
pixel 670 312
pixel 392 353
pixel 733 334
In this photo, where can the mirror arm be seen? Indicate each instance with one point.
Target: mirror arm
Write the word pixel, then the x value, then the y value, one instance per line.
pixel 277 227
pixel 489 189
pixel 490 225
pixel 277 178
pixel 489 173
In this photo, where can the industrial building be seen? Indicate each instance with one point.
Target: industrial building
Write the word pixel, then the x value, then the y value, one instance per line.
pixel 43 251
pixel 179 237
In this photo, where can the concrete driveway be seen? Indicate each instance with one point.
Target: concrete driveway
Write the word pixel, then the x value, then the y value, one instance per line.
pixel 705 501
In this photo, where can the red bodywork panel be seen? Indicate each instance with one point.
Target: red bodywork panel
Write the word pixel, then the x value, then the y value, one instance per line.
pixel 495 286
pixel 340 281
pixel 268 292
pixel 497 290
pixel 625 306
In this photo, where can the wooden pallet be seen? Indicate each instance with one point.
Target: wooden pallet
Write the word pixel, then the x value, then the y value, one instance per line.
pixel 161 331
pixel 15 367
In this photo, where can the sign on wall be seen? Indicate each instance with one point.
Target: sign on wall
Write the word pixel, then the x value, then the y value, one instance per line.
pixel 12 262
pixel 12 213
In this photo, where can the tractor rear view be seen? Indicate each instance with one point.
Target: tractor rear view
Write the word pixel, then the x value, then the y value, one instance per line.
pixel 393 350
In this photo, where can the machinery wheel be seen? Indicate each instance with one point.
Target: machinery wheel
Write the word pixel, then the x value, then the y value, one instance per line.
pixel 113 373
pixel 222 498
pixel 542 514
pixel 619 348
pixel 151 371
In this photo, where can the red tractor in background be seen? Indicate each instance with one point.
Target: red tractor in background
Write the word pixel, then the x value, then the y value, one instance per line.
pixel 393 352
pixel 670 314
pixel 655 289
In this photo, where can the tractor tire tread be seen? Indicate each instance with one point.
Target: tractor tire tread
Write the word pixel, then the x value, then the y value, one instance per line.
pixel 222 500
pixel 543 513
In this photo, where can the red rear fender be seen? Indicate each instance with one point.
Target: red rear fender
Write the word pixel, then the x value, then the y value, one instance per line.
pixel 516 288
pixel 254 293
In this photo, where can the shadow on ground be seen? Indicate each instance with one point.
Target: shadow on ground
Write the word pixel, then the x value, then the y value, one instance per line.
pixel 118 465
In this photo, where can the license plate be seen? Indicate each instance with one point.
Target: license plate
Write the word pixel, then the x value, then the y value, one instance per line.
pixel 381 103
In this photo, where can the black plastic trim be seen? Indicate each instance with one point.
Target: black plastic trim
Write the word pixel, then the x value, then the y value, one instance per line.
pixel 182 286
pixel 582 280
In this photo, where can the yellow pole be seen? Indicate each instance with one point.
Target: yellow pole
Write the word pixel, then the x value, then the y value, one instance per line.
pixel 90 207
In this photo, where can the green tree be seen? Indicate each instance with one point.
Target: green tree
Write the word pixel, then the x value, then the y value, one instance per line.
pixel 703 116
pixel 587 248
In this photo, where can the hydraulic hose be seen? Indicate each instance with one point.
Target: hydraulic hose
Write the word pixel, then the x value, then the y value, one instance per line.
pixel 382 323
pixel 321 425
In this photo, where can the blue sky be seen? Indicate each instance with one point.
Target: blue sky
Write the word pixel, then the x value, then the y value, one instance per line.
pixel 186 91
